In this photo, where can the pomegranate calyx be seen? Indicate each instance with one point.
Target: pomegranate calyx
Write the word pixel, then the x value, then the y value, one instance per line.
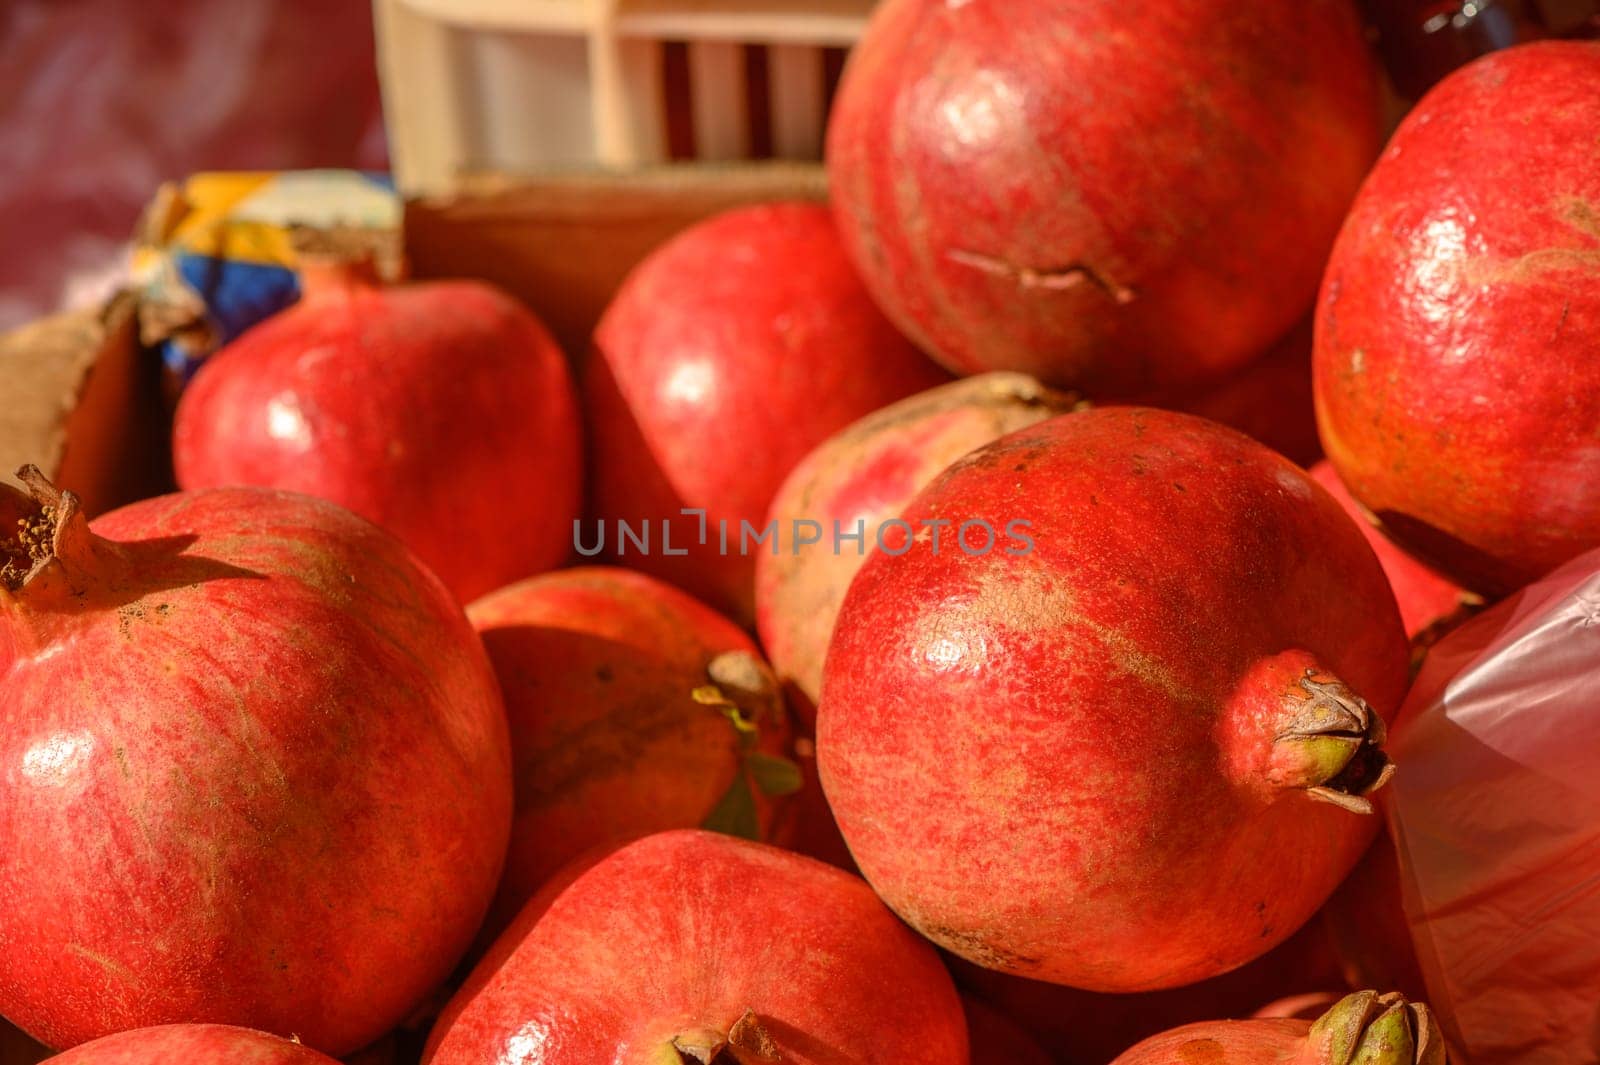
pixel 1332 747
pixel 699 1047
pixel 45 525
pixel 1368 1028
pixel 746 1043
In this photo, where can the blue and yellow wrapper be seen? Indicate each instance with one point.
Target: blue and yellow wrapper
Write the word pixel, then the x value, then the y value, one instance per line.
pixel 218 252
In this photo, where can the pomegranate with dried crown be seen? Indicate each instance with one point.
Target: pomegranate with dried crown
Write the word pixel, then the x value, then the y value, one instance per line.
pixel 633 709
pixel 691 948
pixel 192 1044
pixel 254 768
pixel 860 478
pixel 1365 1028
pixel 442 411
pixel 1430 603
pixel 1120 740
pixel 1114 197
pixel 726 356
pixel 1456 380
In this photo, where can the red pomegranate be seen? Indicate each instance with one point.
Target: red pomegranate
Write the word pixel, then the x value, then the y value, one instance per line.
pixel 1269 400
pixel 1088 1028
pixel 1430 603
pixel 1107 733
pixel 726 356
pixel 860 478
pixel 1457 388
pixel 995 1040
pixel 442 411
pixel 1306 1007
pixel 192 1044
pixel 1365 1027
pixel 611 680
pixel 692 947
pixel 255 769
pixel 1113 197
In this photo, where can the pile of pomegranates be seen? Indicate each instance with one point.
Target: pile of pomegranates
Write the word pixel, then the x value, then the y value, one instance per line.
pixel 860 715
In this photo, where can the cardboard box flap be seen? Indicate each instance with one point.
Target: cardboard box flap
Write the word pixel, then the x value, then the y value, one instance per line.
pixel 83 404
pixel 563 244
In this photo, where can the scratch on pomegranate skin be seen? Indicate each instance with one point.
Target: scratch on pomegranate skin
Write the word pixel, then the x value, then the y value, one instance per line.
pixel 110 965
pixel 1583 215
pixel 1532 266
pixel 1005 597
pixel 1055 279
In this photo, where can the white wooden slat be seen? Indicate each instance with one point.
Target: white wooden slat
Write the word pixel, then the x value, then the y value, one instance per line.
pixel 548 16
pixel 421 97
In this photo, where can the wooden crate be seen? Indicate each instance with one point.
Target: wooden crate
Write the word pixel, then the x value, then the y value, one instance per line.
pixel 538 86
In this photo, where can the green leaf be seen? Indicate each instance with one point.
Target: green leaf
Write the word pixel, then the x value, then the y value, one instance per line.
pixel 774 776
pixel 735 812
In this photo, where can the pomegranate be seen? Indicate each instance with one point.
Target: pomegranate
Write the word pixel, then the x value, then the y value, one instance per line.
pixel 1098 193
pixel 1107 734
pixel 860 478
pixel 442 411
pixel 254 770
pixel 1365 1027
pixel 1086 1028
pixel 1457 389
pixel 1430 603
pixel 726 356
pixel 192 1044
pixel 695 947
pixel 1269 400
pixel 1306 1007
pixel 611 681
pixel 995 1040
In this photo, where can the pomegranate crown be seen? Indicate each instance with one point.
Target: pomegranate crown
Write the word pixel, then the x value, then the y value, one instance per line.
pixel 35 526
pixel 1333 745
pixel 1368 1028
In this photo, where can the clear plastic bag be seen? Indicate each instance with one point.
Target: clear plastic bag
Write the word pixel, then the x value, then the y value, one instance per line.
pixel 1495 811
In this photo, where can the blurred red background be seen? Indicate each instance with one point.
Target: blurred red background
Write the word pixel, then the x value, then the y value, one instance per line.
pixel 102 100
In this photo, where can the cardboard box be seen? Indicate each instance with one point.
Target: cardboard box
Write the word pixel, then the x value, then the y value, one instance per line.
pixel 82 402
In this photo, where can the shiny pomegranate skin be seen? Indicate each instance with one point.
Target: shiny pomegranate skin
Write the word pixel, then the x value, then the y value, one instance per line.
pixel 1099 761
pixel 443 411
pixel 1456 385
pixel 866 474
pixel 192 1044
pixel 726 356
pixel 1116 198
pixel 254 770
pixel 685 944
